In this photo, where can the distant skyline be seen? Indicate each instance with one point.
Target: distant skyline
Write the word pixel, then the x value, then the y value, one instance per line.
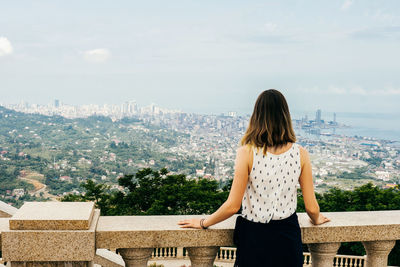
pixel 203 56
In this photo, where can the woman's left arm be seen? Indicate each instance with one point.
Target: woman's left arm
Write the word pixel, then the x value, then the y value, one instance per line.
pixel 243 164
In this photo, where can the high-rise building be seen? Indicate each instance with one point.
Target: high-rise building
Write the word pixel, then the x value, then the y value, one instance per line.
pixel 56 103
pixel 318 116
pixel 232 114
pixel 334 118
pixel 132 107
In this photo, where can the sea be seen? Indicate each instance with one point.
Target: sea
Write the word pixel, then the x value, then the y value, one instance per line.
pixel 374 125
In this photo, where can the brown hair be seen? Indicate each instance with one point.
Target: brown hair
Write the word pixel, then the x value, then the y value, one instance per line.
pixel 270 124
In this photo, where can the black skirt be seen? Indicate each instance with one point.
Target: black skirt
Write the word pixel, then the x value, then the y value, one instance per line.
pixel 275 244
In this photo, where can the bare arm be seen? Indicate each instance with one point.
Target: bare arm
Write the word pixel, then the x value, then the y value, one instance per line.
pixel 307 187
pixel 243 162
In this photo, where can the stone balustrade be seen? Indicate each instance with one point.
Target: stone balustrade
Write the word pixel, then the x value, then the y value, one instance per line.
pixel 68 234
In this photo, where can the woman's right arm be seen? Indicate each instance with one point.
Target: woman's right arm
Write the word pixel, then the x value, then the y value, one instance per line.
pixel 307 187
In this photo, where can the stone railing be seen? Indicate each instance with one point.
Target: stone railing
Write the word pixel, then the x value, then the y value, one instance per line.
pixel 68 234
pixel 228 254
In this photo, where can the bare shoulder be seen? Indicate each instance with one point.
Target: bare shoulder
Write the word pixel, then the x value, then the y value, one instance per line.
pixel 244 150
pixel 303 150
pixel 304 156
pixel 244 155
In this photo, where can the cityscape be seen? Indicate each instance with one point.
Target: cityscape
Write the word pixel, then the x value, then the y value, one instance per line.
pixel 121 126
pixel 63 145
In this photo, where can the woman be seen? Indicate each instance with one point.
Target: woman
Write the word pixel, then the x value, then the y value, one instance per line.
pixel 268 166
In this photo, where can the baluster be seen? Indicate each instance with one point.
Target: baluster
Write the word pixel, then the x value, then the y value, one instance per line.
pixel 179 252
pixel 323 254
pixel 202 256
pixel 136 257
pixel 378 252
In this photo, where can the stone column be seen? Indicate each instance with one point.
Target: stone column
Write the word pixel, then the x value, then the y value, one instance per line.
pixel 53 234
pixel 136 257
pixel 202 256
pixel 179 252
pixel 378 252
pixel 322 254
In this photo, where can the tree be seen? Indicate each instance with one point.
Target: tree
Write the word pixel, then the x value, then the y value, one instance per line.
pixel 150 192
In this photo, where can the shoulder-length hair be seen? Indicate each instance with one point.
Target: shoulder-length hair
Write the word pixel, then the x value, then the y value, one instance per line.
pixel 270 124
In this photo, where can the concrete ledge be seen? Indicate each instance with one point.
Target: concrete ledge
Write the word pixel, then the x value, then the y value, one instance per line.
pixel 104 257
pixel 163 231
pixel 159 231
pixel 352 226
pixel 4 226
pixel 6 210
pixel 51 245
pixel 53 216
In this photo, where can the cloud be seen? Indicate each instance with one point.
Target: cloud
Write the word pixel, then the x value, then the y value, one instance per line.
pixel 97 55
pixel 353 90
pixel 381 15
pixel 346 5
pixel 5 46
pixel 270 27
pixel 377 33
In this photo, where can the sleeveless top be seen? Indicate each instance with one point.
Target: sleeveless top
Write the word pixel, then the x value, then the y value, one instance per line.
pixel 271 191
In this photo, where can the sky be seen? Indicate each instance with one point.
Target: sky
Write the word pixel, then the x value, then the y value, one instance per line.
pixel 203 56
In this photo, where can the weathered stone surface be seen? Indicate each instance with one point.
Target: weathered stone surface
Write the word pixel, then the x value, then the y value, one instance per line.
pixel 159 231
pixel 4 226
pixel 52 245
pixel 323 253
pixel 51 264
pixel 105 257
pixel 6 210
pixel 352 226
pixel 136 257
pixel 202 256
pixel 378 251
pixel 53 216
pixel 163 231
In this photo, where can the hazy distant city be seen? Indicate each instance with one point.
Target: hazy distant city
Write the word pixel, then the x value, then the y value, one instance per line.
pixel 73 143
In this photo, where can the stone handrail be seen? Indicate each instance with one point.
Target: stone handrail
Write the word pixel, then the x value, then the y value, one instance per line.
pixel 135 237
pixel 377 230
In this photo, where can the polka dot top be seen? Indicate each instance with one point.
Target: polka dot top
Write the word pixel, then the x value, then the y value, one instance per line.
pixel 271 192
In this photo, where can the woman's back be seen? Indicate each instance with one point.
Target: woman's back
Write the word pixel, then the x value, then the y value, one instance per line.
pixel 271 188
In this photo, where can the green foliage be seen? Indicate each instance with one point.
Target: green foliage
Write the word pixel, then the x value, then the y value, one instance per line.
pixel 376 161
pixel 150 192
pixel 358 173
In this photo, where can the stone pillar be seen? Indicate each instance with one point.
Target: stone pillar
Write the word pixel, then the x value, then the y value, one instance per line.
pixel 202 256
pixel 378 252
pixel 136 257
pixel 53 234
pixel 179 252
pixel 322 254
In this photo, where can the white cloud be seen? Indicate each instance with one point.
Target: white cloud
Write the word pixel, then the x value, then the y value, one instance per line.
pixel 270 27
pixel 5 46
pixel 347 4
pixel 97 55
pixel 354 90
pixel 381 15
